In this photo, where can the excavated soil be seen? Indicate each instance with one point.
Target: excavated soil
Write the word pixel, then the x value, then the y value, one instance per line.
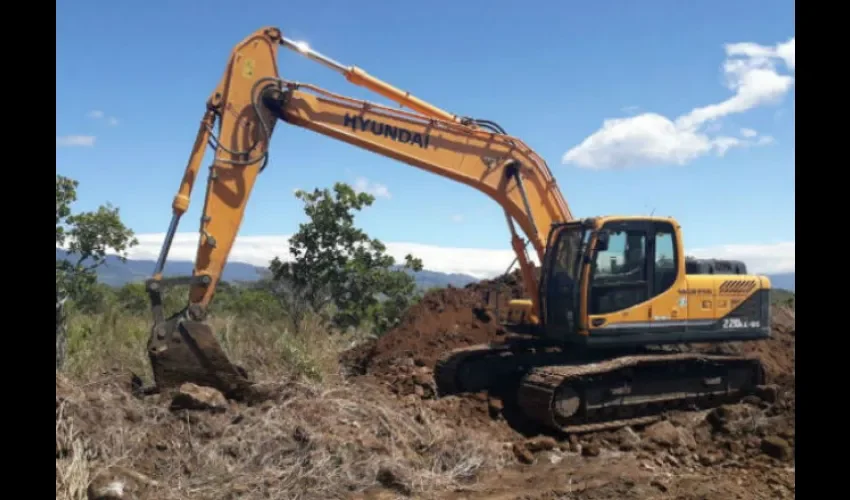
pixel 403 360
pixel 444 319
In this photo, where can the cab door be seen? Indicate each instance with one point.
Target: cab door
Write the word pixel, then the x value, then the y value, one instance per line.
pixel 669 307
pixel 560 285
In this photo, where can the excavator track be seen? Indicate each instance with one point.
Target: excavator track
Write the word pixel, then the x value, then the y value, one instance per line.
pixel 632 390
pixel 574 394
pixel 491 367
pixel 448 375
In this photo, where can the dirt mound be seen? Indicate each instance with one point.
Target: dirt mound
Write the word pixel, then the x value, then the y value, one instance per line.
pixel 778 353
pixel 403 360
pixel 443 320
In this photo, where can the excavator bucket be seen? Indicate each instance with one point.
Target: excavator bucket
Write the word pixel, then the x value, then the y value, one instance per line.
pixel 183 350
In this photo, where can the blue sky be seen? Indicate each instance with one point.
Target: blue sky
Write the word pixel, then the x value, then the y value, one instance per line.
pixel 703 91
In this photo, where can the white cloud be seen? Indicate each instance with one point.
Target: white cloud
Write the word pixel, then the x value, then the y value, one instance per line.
pixel 75 140
pixel 751 73
pixel 754 137
pixel 477 262
pixel 363 185
pixel 260 250
pixel 97 114
pixel 785 51
pixel 457 218
pixel 649 137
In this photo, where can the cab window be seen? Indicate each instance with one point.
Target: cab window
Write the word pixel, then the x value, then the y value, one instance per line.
pixel 619 274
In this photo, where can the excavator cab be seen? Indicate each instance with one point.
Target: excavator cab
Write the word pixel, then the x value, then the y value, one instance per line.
pixel 622 281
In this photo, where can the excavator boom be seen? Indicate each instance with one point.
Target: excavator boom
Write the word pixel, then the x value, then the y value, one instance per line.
pixel 500 166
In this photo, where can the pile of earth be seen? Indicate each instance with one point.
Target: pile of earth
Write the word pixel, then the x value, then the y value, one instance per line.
pixel 443 320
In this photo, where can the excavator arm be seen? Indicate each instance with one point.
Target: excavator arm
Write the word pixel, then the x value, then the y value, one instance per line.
pixel 498 165
pixel 247 103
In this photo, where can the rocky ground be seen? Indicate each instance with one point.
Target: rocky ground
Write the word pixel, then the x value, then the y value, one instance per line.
pixel 382 433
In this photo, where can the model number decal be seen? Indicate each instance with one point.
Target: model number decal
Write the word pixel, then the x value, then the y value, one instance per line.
pixel 739 323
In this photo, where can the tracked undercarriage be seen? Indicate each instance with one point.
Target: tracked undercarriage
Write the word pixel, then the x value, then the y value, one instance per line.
pixel 576 392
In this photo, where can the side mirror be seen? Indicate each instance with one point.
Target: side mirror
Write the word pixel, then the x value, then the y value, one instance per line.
pixel 602 239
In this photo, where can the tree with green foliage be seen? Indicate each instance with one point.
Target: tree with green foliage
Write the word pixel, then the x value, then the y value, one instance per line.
pixel 87 236
pixel 336 269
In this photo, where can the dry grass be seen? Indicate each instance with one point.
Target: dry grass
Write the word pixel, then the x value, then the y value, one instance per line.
pixel 321 437
pixel 98 344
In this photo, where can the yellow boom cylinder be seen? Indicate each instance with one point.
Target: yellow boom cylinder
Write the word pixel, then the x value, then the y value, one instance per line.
pixel 359 77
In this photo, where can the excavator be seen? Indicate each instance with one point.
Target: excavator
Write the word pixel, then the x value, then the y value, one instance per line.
pixel 590 346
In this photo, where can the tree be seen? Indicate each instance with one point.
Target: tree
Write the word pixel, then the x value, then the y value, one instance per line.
pixel 336 267
pixel 65 194
pixel 90 236
pixel 61 332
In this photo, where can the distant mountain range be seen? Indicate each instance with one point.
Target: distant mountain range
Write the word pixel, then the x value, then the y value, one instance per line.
pixel 117 273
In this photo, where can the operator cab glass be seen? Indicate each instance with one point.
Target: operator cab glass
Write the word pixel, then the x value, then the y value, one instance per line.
pixel 618 274
pixel 638 264
pixel 635 260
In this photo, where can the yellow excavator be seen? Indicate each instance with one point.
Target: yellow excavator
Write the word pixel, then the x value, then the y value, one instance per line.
pixel 591 343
